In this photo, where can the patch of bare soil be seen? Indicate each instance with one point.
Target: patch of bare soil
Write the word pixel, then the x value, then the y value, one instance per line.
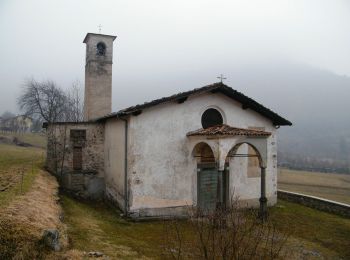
pixel 23 221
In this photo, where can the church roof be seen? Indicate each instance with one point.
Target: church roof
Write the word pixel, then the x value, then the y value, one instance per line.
pixel 99 35
pixel 227 131
pixel 247 103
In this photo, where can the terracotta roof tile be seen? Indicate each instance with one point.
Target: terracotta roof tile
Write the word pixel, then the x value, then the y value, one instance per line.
pixel 228 131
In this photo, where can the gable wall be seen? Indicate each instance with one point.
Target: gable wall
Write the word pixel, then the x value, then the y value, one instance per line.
pixel 162 171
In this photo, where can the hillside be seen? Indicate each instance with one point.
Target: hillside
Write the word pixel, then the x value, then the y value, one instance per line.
pixel 315 100
pixel 330 186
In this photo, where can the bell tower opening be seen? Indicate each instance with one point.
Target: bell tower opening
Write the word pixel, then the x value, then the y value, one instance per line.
pixel 98 75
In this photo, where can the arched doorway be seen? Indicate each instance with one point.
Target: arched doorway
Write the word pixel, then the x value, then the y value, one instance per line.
pixel 210 181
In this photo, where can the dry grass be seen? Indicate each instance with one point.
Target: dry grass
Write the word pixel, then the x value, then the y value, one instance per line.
pixel 325 185
pixel 22 222
pixel 28 200
pixel 37 209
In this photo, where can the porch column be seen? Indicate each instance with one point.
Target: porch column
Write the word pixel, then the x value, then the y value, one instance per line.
pixel 263 199
pixel 220 192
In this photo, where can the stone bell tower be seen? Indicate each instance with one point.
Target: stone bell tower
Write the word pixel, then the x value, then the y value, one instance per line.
pixel 98 75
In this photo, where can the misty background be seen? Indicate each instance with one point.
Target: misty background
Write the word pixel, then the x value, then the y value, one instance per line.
pixel 292 56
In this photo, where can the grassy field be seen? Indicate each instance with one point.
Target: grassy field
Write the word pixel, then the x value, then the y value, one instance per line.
pixel 18 167
pixel 96 227
pixel 35 139
pixel 314 230
pixel 326 185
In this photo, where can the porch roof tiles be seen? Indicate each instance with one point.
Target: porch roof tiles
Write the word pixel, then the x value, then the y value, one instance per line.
pixel 227 131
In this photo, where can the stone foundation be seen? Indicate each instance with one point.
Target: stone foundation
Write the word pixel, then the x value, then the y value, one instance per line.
pixel 87 186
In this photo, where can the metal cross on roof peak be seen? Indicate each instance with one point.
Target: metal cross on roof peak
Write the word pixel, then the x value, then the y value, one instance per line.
pixel 99 28
pixel 221 77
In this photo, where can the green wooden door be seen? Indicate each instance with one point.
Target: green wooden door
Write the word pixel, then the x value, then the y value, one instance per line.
pixel 207 189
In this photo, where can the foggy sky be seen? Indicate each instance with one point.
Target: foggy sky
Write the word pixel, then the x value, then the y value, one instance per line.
pixel 164 47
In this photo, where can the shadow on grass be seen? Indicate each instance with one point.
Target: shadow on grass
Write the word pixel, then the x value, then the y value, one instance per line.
pixel 94 226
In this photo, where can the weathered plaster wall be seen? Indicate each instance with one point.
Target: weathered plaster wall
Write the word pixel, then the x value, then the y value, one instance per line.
pixel 98 90
pixel 90 180
pixel 115 160
pixel 162 171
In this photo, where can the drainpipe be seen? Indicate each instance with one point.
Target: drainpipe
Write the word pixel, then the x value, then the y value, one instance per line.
pixel 126 199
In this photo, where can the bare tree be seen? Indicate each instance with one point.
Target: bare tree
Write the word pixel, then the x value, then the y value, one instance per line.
pixel 74 97
pixel 226 233
pixel 43 99
pixel 47 101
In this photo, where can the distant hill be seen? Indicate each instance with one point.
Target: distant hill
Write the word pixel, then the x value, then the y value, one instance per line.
pixel 318 104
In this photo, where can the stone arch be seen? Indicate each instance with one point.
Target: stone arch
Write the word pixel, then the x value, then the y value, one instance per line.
pixel 203 153
pixel 235 148
pixel 262 164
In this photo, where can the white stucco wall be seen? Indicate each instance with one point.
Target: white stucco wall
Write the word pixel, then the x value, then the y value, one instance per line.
pixel 114 160
pixel 162 171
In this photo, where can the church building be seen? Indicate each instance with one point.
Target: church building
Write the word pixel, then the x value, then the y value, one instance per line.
pixel 200 148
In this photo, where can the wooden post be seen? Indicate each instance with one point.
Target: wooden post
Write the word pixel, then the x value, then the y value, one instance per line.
pixel 263 199
pixel 22 176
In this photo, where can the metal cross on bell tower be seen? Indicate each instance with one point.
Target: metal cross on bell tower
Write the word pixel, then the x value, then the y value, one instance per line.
pixel 221 77
pixel 99 28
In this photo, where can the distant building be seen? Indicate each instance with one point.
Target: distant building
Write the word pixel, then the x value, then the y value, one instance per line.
pixel 197 148
pixel 19 124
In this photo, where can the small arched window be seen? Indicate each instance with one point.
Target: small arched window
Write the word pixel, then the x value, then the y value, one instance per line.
pixel 101 49
pixel 211 117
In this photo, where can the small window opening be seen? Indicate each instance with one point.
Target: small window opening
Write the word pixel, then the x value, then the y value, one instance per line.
pixel 78 134
pixel 211 117
pixel 101 49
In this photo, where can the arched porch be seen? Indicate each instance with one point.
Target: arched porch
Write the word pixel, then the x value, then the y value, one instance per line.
pixel 222 148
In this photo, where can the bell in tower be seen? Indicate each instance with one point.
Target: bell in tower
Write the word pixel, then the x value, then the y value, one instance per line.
pixel 98 75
